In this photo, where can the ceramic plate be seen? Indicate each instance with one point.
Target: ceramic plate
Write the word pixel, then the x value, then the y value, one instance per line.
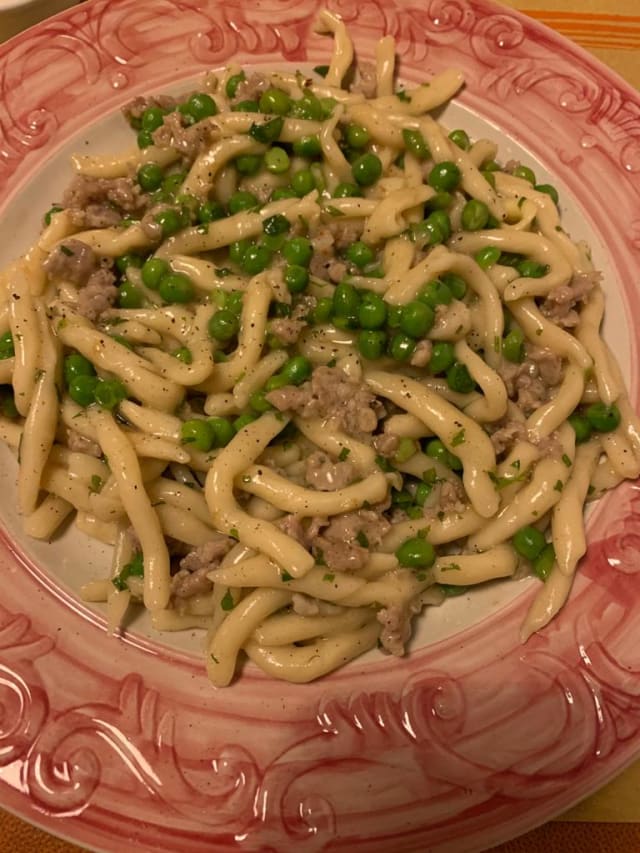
pixel 473 738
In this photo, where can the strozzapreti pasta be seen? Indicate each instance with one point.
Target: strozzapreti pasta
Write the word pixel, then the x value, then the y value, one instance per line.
pixel 311 363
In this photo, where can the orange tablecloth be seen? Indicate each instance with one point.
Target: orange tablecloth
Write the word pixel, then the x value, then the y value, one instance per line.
pixel 609 821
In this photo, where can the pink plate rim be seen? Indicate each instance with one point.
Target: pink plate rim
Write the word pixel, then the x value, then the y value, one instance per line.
pixel 469 741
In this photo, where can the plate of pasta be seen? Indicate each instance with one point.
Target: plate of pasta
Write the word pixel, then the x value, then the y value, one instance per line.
pixel 318 391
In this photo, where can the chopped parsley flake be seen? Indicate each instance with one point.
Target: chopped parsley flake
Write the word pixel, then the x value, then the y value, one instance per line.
pixel 458 439
pixel 134 568
pixel 362 539
pixel 227 602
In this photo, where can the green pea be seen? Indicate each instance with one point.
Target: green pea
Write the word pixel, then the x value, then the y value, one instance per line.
pixel 273 242
pixel 308 107
pixel 414 142
pixel 492 166
pixel 444 176
pixel 276 160
pixel 238 249
pixel 440 201
pixel 150 177
pixel 549 190
pixel 298 250
pixel 461 139
pixel 242 200
pixel 346 190
pixel 108 393
pixel 417 318
pixel 152 118
pixel 274 101
pixel 210 211
pixel 489 178
pixel 525 173
pixel 428 232
pixel 543 563
pixel 581 427
pixel 402 347
pixel 308 146
pixel 371 344
pixel 244 420
pixel 234 301
pixel 451 590
pixel 297 370
pixel 223 325
pixel 456 284
pixel 259 402
pixel 200 106
pixel 8 407
pixel 528 542
pixel 248 106
pixel 126 261
pixel 360 254
pixel 303 182
pixel 356 136
pixel 394 316
pixel 346 300
pixel 153 270
pixel 51 213
pixel 199 433
pixel 323 310
pixel 327 105
pixel 532 269
pixel 475 215
pixel 278 380
pixel 77 365
pixel 442 357
pixel 436 450
pixel 256 259
pixel 423 490
pixel 487 256
pixel 232 84
pixel 296 278
pixel 282 192
pixel 129 296
pixel 223 431
pixel 176 287
pixel 436 293
pixel 172 183
pixel 416 553
pixel 459 379
pixel 407 448
pixel 82 388
pixel 372 312
pixel 183 354
pixel 7 349
pixel 169 221
pixel 513 346
pixel 441 219
pixel 248 164
pixel 603 418
pixel 366 169
pixel 144 139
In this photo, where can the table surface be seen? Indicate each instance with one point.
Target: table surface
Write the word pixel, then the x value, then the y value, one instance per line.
pixel 610 819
